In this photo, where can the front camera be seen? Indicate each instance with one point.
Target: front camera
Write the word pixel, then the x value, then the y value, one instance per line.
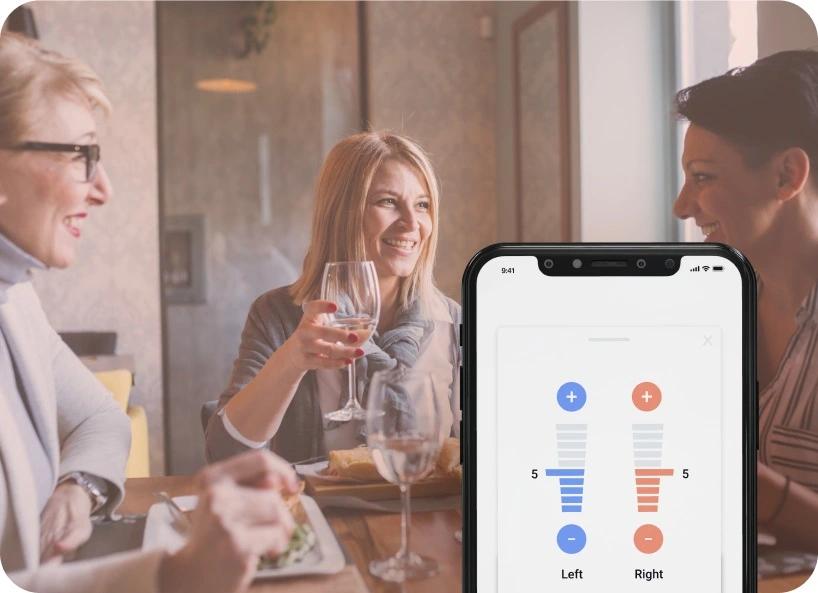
pixel 670 263
pixel 548 263
pixel 577 263
pixel 641 263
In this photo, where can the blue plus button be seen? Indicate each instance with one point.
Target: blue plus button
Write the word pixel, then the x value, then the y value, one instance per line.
pixel 571 396
pixel 571 539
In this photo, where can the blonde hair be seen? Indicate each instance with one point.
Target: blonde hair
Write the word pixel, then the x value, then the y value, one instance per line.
pixel 340 201
pixel 30 76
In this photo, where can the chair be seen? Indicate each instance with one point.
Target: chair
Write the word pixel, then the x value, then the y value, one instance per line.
pixel 206 413
pixel 119 382
pixel 96 351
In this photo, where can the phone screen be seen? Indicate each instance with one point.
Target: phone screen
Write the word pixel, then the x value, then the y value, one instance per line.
pixel 609 429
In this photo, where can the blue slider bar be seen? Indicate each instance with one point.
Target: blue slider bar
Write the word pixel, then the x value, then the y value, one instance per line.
pixel 572 500
pixel 571 481
pixel 565 472
pixel 571 487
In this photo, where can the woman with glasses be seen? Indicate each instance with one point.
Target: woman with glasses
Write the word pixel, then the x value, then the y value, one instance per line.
pixel 63 441
pixel 376 199
pixel 751 181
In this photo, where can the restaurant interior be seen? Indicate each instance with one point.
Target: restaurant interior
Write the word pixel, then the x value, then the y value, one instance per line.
pixel 545 121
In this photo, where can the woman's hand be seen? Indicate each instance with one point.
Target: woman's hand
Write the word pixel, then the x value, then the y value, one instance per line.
pixel 240 516
pixel 314 345
pixel 65 523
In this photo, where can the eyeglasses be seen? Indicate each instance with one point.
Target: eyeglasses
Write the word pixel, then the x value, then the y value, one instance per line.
pixel 91 153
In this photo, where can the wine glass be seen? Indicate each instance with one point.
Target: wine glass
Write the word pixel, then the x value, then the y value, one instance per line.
pixel 404 434
pixel 353 287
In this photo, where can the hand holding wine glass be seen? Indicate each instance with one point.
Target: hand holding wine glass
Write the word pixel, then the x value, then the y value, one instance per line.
pixel 353 287
pixel 316 345
pixel 404 433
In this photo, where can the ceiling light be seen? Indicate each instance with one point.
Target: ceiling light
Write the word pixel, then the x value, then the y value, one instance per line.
pixel 225 85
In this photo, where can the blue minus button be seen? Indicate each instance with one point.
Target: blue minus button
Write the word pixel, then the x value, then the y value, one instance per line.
pixel 571 539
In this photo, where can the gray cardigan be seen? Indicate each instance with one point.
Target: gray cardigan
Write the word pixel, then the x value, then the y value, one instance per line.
pixel 272 319
pixel 84 430
pixel 81 428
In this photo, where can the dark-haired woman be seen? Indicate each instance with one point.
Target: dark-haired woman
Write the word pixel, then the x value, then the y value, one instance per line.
pixel 751 181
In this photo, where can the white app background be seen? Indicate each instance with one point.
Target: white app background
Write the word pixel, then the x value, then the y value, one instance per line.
pixel 608 334
pixel 606 441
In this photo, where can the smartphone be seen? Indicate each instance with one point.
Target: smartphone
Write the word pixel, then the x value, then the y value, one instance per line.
pixel 609 419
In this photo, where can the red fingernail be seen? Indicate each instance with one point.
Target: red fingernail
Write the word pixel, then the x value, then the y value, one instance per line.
pixel 352 338
pixel 332 308
pixel 359 352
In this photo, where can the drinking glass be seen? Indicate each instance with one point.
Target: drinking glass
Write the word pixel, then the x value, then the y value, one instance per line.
pixel 404 434
pixel 353 287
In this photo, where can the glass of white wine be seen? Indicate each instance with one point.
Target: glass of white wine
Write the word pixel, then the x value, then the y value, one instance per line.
pixel 353 287
pixel 404 434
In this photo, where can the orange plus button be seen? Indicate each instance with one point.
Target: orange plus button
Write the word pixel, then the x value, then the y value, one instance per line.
pixel 648 539
pixel 646 396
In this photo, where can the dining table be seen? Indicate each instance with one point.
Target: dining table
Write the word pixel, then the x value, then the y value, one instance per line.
pixel 364 536
pixel 370 535
pixel 781 584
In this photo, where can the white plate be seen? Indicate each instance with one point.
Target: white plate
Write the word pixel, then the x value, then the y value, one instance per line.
pixel 325 558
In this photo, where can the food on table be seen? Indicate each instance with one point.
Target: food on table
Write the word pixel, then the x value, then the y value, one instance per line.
pixel 293 502
pixel 449 458
pixel 302 540
pixel 354 463
pixel 357 463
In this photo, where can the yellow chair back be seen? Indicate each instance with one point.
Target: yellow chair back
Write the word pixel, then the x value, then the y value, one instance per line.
pixel 119 383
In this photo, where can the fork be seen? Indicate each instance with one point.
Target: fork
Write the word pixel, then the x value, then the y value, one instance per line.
pixel 176 511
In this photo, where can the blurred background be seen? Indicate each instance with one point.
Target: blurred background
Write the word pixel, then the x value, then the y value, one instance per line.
pixel 546 121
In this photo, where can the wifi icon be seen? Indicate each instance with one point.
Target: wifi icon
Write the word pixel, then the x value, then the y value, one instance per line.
pixel 705 268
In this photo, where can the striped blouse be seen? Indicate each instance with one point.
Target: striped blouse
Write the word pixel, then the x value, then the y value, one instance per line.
pixel 788 414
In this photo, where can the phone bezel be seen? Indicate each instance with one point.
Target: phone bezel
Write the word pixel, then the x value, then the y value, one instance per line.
pixel 629 251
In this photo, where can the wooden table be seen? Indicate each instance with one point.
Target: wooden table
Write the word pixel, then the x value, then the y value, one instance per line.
pixel 781 584
pixel 365 536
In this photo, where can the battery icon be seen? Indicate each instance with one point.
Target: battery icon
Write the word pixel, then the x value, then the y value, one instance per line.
pixel 718 268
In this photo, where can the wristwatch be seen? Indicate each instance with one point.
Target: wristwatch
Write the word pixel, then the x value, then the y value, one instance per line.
pixel 90 485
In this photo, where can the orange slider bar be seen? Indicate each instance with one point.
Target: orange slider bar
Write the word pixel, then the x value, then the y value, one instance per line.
pixel 647 488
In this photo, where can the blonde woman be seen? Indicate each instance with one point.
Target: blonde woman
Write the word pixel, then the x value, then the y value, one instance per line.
pixel 377 199
pixel 63 440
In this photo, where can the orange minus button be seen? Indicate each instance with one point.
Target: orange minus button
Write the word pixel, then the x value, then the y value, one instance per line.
pixel 648 539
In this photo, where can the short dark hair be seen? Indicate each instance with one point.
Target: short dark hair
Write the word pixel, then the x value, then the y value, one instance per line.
pixel 768 106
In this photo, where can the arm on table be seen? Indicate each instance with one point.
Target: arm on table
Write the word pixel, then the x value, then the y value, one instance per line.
pixel 789 511
pixel 132 572
pixel 94 433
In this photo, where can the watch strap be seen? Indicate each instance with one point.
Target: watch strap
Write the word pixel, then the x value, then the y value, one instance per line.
pixel 96 492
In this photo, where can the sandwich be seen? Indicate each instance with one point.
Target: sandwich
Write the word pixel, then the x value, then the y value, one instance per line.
pixel 357 463
pixel 302 540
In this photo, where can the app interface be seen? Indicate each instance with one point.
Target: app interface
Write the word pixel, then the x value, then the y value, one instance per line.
pixel 609 443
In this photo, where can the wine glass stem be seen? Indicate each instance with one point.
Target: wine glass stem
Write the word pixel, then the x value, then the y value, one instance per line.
pixel 352 402
pixel 406 517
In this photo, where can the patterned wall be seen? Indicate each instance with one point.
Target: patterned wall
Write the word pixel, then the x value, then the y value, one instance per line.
pixel 247 164
pixel 115 283
pixel 433 77
pixel 541 158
